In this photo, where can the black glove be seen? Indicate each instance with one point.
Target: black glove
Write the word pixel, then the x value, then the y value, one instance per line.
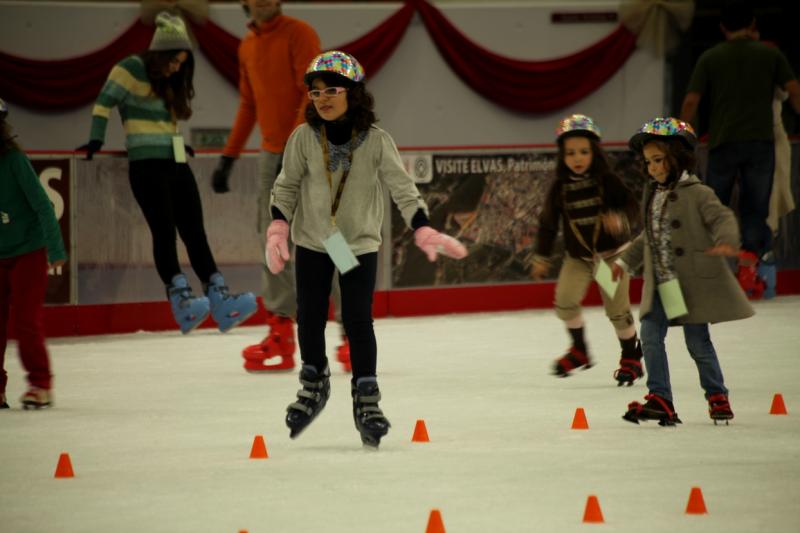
pixel 189 150
pixel 219 180
pixel 90 148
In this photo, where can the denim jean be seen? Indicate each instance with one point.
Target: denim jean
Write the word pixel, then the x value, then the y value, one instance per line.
pixel 653 331
pixel 754 162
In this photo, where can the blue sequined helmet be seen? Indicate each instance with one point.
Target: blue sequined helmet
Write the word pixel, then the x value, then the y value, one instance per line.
pixel 335 62
pixel 577 125
pixel 663 128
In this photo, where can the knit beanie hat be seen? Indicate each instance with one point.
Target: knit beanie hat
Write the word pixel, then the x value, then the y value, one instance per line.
pixel 170 33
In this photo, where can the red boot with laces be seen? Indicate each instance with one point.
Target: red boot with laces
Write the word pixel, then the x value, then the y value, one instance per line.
pixel 279 342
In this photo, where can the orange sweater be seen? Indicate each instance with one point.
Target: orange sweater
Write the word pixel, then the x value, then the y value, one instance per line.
pixel 272 61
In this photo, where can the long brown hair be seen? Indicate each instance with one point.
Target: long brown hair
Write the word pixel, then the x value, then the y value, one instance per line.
pixel 176 90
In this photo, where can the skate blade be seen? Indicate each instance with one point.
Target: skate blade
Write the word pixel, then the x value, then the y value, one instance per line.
pixel 35 406
pixel 631 417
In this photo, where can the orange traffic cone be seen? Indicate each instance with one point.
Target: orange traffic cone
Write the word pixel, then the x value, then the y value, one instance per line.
pixel 778 407
pixel 696 503
pixel 435 524
pixel 64 467
pixel 579 420
pixel 593 514
pixel 259 449
pixel 420 432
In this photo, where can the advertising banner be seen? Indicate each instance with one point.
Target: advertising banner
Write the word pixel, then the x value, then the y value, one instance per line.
pixel 54 174
pixel 492 204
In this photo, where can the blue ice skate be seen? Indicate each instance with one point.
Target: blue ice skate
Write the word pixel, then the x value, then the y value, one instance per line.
pixel 229 310
pixel 767 272
pixel 189 310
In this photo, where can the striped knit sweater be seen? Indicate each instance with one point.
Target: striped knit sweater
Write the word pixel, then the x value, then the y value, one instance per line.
pixel 582 200
pixel 149 126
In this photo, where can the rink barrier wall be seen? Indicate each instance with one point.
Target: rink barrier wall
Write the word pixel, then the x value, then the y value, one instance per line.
pixel 79 320
pixel 146 311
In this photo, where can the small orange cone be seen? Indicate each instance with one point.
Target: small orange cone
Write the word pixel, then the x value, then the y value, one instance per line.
pixel 259 449
pixel 696 503
pixel 593 514
pixel 778 407
pixel 64 467
pixel 579 420
pixel 435 524
pixel 420 432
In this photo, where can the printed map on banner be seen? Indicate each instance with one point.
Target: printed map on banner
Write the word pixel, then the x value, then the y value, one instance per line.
pixel 491 203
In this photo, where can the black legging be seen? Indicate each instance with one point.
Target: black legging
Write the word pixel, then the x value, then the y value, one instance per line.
pixel 167 194
pixel 314 275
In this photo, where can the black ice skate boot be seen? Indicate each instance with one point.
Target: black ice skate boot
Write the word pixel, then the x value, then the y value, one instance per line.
pixel 574 359
pixel 311 399
pixel 630 365
pixel 719 408
pixel 656 408
pixel 369 419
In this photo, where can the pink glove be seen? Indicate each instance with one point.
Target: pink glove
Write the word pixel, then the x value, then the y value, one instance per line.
pixel 432 242
pixel 277 249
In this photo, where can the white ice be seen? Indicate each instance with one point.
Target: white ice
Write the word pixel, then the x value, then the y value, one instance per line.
pixel 159 429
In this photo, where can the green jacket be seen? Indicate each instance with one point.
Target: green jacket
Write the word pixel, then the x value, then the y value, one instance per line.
pixel 27 219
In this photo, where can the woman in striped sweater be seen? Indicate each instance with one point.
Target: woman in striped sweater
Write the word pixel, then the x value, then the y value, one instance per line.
pixel 153 90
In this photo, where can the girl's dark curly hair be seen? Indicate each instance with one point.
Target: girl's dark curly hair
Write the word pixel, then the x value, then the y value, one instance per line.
pixel 176 90
pixel 678 156
pixel 599 166
pixel 360 103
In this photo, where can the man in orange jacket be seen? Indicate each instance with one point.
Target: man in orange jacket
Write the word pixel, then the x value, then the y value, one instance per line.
pixel 273 58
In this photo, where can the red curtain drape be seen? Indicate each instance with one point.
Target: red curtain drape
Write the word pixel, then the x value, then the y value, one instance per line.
pixel 220 47
pixel 68 83
pixel 372 49
pixel 376 47
pixel 528 86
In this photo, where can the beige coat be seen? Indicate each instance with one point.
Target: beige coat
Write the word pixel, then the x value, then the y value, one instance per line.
pixel 698 221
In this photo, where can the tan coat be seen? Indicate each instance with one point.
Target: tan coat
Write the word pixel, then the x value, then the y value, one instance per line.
pixel 698 221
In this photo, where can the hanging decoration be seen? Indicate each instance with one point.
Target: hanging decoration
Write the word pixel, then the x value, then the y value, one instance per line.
pixel 524 86
pixel 657 23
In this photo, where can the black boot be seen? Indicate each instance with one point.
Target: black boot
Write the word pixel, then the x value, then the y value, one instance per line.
pixel 311 399
pixel 574 359
pixel 630 365
pixel 656 408
pixel 369 419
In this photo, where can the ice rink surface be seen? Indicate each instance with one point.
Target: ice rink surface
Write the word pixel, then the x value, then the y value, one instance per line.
pixel 159 429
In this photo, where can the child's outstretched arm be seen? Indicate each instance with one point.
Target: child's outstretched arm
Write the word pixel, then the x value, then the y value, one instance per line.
pixel 631 259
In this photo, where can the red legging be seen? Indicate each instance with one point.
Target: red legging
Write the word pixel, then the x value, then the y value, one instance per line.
pixel 23 281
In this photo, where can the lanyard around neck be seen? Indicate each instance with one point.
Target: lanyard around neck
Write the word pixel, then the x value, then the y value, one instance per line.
pixel 323 139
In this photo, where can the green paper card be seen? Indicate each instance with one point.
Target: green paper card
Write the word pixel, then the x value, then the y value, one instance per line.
pixel 340 252
pixel 672 299
pixel 179 149
pixel 602 275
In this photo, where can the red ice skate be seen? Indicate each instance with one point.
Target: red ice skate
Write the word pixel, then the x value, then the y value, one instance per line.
pixel 719 408
pixel 343 354
pixel 630 368
pixel 279 342
pixel 752 285
pixel 572 360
